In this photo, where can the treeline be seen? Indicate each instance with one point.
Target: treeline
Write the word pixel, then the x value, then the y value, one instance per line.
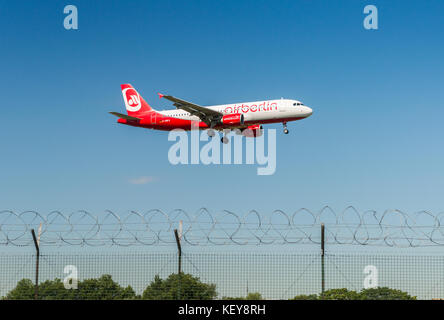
pixel 175 287
pixel 382 293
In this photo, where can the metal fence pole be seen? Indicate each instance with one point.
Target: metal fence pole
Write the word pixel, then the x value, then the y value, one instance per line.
pixel 179 271
pixel 179 248
pixel 322 257
pixel 36 292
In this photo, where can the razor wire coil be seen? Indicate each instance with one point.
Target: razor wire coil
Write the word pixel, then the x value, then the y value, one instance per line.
pixel 392 228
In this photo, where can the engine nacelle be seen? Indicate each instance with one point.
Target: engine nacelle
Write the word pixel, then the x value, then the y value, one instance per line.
pixel 233 119
pixel 253 131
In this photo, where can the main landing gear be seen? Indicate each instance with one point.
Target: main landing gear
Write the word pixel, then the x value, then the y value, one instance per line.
pixel 225 139
pixel 285 128
pixel 211 133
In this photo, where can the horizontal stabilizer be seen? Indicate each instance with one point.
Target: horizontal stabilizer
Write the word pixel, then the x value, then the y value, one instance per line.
pixel 124 116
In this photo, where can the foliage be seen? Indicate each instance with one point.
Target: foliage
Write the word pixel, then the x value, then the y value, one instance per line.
pixel 179 286
pixel 306 297
pixel 339 294
pixel 24 290
pixel 253 296
pixel 382 293
pixel 385 293
pixel 176 286
pixel 103 288
pixel 250 296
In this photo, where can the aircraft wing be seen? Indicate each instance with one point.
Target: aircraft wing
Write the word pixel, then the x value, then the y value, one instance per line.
pixel 124 116
pixel 208 116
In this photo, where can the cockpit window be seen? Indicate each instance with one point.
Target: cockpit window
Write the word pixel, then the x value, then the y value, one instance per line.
pixel 298 104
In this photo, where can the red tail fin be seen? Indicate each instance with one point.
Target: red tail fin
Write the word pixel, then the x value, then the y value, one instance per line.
pixel 134 103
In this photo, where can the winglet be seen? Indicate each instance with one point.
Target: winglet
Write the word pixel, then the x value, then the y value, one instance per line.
pixel 160 95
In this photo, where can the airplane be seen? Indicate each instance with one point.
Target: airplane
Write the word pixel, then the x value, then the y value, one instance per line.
pixel 245 118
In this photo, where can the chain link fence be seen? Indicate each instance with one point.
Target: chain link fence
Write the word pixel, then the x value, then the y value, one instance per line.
pixel 272 275
pixel 265 258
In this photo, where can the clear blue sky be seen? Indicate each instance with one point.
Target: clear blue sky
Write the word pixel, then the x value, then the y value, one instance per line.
pixel 375 139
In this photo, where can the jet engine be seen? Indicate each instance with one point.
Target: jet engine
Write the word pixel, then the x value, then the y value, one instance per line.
pixel 233 119
pixel 253 131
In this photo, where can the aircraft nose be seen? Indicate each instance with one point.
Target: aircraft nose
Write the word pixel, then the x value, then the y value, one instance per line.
pixel 308 111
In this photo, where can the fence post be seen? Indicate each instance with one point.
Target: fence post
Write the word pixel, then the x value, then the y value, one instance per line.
pixel 322 257
pixel 36 243
pixel 179 248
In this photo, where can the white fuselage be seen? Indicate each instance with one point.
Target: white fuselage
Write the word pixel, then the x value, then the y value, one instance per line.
pixel 256 111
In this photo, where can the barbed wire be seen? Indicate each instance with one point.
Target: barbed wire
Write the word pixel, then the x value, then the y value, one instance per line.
pixel 393 228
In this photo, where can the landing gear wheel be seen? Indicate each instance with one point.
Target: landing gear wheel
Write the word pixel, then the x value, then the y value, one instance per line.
pixel 285 128
pixel 224 140
pixel 211 133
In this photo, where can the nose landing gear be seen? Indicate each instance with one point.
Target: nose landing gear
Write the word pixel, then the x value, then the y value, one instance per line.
pixel 285 128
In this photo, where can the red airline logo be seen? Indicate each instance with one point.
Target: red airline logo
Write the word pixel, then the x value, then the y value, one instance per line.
pixel 132 100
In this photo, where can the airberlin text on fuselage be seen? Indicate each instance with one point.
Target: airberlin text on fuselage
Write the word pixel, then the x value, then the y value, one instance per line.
pixel 244 108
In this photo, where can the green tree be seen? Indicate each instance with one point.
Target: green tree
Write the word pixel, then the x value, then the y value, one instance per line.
pixel 24 290
pixel 49 289
pixel 339 294
pixel 385 293
pixel 332 294
pixel 103 288
pixel 179 286
pixel 366 294
pixel 306 297
pixel 250 296
pixel 54 290
pixel 253 296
